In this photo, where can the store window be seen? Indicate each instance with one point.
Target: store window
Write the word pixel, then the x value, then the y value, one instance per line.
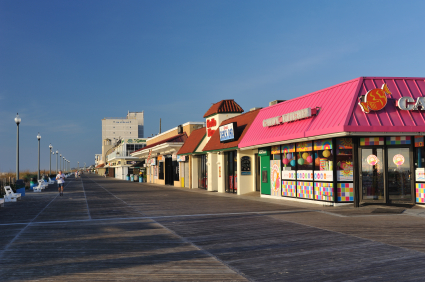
pixel 161 170
pixel 275 152
pixel 304 152
pixel 323 160
pixel 289 161
pixel 344 159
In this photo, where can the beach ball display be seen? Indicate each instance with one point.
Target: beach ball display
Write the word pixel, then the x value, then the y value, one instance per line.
pixel 326 153
pixel 289 156
pixel 317 161
pixel 305 155
pixel 309 159
pixel 285 161
pixel 292 163
pixel 301 161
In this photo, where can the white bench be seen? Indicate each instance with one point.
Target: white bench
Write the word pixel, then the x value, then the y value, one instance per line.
pixel 51 181
pixel 10 195
pixel 1 202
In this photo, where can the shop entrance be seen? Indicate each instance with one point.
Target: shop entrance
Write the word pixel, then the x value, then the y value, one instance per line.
pixel 231 160
pixel 386 175
pixel 169 171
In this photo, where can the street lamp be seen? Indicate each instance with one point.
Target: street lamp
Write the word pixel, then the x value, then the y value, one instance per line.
pixel 38 137
pixel 57 152
pixel 63 163
pixel 78 166
pixel 17 121
pixel 60 162
pixel 50 164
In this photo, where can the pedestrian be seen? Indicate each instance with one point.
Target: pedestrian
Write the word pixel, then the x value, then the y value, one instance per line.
pixel 61 180
pixel 76 175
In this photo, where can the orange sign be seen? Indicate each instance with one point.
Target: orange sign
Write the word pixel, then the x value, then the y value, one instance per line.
pixel 375 99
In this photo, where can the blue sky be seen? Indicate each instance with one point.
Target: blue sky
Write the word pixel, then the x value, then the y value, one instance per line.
pixel 65 65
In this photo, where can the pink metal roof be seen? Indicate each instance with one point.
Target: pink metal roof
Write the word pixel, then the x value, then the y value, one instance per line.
pixel 340 112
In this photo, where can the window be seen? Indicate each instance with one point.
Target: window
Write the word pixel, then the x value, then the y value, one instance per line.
pixel 344 159
pixel 304 156
pixel 161 170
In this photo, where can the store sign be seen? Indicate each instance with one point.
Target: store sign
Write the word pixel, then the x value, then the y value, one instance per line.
pixel 181 158
pixel 323 175
pixel 409 104
pixel 227 132
pixel 420 174
pixel 264 152
pixel 211 123
pixel 297 115
pixel 245 165
pixel 153 161
pixel 376 99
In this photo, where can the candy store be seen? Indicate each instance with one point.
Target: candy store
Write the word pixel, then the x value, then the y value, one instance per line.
pixel 357 142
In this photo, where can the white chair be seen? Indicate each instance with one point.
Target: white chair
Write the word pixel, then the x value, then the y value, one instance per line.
pixel 1 202
pixel 37 188
pixel 42 184
pixel 51 181
pixel 10 195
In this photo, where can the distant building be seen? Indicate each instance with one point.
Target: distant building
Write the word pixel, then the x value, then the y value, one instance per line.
pixel 130 127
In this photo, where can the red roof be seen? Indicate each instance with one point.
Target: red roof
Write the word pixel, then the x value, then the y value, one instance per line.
pixel 193 141
pixel 243 122
pixel 176 138
pixel 224 106
pixel 99 166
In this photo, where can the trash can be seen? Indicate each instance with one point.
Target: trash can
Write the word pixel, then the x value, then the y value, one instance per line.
pixel 140 179
pixel 128 177
pixel 131 177
pixel 136 178
pixel 20 187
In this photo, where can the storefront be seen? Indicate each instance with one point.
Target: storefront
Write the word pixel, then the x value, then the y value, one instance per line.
pixel 357 142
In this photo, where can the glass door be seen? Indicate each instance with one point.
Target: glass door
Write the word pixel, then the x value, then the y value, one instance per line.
pixel 399 175
pixel 372 177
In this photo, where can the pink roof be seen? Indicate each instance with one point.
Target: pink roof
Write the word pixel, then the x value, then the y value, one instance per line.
pixel 340 112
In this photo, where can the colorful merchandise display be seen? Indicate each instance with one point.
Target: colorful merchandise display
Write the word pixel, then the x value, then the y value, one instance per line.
pixel 305 190
pixel 323 191
pixel 275 177
pixel 275 150
pixel 419 141
pixel 289 188
pixel 345 192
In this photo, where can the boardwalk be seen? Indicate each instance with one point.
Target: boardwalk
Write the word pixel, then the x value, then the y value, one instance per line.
pixel 107 229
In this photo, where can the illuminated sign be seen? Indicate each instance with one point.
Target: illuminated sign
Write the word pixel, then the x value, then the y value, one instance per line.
pixel 293 116
pixel 375 99
pixel 227 132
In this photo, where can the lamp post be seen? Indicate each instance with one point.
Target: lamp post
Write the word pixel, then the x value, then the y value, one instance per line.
pixel 50 163
pixel 60 161
pixel 38 137
pixel 57 154
pixel 17 121
pixel 63 163
pixel 78 166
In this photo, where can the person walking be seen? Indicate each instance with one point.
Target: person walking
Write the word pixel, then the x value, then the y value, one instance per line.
pixel 61 181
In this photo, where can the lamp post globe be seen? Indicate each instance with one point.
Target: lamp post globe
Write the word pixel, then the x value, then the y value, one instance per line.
pixel 60 161
pixel 38 138
pixel 17 121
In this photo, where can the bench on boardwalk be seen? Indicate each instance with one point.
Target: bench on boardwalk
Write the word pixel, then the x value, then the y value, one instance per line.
pixel 51 181
pixel 42 184
pixel 10 195
pixel 1 202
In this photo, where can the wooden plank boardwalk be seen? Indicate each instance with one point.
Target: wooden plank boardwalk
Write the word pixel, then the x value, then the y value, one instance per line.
pixel 108 230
